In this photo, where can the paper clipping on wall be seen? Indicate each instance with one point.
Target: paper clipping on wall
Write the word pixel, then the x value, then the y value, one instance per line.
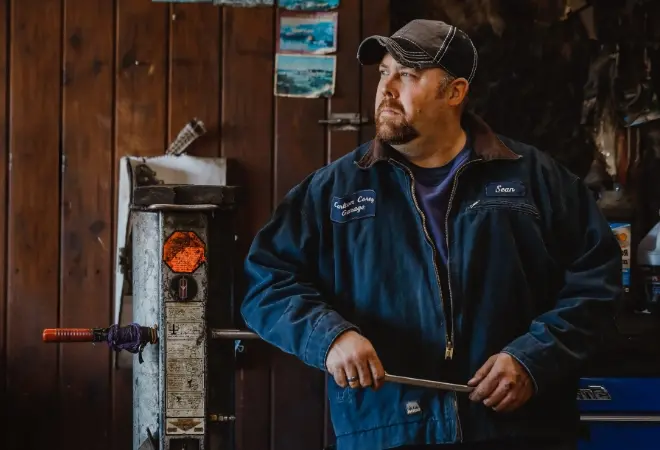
pixel 308 5
pixel 237 3
pixel 305 76
pixel 244 3
pixel 314 33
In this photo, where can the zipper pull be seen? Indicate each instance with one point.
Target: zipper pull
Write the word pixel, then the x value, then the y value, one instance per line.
pixel 449 351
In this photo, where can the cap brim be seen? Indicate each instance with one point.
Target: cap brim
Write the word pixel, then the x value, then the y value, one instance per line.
pixel 372 50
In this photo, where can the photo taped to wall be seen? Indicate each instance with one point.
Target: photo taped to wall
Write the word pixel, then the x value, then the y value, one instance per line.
pixel 306 76
pixel 314 33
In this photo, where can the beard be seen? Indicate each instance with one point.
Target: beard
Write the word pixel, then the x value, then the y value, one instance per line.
pixel 394 129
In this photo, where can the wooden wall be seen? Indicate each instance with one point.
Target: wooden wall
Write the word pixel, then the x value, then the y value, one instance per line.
pixel 84 82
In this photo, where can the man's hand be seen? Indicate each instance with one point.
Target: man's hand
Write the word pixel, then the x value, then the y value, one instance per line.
pixel 502 383
pixel 352 361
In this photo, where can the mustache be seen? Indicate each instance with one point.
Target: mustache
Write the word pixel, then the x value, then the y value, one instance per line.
pixel 385 104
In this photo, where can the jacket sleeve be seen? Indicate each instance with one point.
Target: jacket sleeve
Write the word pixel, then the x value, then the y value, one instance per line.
pixel 560 341
pixel 283 303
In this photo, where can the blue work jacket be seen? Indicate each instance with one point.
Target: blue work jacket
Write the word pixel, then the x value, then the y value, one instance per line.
pixel 534 270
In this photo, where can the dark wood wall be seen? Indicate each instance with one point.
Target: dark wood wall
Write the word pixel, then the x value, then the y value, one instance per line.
pixel 85 82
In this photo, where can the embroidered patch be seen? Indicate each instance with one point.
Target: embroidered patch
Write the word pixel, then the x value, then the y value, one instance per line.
pixel 505 189
pixel 413 408
pixel 358 205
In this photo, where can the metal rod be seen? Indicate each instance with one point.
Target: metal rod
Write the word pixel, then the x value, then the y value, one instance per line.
pixel 612 418
pixel 171 207
pixel 243 334
pixel 428 383
pixel 232 334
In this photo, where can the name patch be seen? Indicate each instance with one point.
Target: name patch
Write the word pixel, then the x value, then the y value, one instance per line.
pixel 505 189
pixel 358 205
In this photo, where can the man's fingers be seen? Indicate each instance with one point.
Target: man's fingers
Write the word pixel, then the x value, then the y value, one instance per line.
pixel 483 371
pixel 352 376
pixel 507 404
pixel 377 372
pixel 514 400
pixel 486 386
pixel 364 373
pixel 340 377
pixel 501 391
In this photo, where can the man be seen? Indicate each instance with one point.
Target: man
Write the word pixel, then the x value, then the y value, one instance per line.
pixel 440 251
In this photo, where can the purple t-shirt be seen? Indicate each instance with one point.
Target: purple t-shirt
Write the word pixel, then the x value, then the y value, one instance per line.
pixel 433 188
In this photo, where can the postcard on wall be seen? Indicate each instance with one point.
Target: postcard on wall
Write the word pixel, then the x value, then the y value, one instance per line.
pixel 244 3
pixel 308 32
pixel 305 76
pixel 308 5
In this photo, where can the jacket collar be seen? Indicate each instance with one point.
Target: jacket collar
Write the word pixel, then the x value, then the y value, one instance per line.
pixel 487 145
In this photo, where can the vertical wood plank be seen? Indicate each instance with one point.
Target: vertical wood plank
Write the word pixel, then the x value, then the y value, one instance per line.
pixel 347 92
pixel 195 72
pixel 247 143
pixel 194 92
pixel 298 390
pixel 141 130
pixel 33 222
pixel 375 20
pixel 345 100
pixel 86 216
pixel 4 167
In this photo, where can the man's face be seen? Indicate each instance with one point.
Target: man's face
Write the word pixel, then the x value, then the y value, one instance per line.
pixel 409 102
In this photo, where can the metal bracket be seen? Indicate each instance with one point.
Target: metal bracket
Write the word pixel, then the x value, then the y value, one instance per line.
pixel 345 121
pixel 221 418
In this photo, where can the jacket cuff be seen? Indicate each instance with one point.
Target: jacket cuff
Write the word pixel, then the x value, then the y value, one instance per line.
pixel 515 350
pixel 325 332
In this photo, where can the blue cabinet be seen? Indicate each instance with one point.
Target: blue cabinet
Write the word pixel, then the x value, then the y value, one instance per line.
pixel 620 413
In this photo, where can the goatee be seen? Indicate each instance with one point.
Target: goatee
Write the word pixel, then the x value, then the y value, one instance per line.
pixel 394 129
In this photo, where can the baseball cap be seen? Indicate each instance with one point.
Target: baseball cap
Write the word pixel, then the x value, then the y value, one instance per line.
pixel 423 44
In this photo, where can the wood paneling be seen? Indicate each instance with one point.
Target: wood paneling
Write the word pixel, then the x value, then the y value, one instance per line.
pixel 300 148
pixel 247 142
pixel 4 166
pixel 347 93
pixel 345 100
pixel 375 20
pixel 141 100
pixel 194 82
pixel 34 221
pixel 85 237
pixel 84 83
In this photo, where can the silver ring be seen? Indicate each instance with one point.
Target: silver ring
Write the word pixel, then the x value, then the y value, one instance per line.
pixel 352 379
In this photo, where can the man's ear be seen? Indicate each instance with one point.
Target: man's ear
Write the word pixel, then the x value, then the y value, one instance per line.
pixel 458 91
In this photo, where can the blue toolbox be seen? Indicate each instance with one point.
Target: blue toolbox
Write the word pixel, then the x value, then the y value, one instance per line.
pixel 619 400
pixel 620 413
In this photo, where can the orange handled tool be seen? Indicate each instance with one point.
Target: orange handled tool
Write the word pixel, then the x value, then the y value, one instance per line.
pixel 132 338
pixel 72 335
pixel 133 335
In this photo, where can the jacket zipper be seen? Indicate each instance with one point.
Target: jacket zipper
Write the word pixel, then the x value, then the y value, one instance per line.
pixel 449 351
pixel 449 347
pixel 449 354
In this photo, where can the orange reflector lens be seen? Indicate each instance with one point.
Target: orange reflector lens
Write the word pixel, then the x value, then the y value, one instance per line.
pixel 184 252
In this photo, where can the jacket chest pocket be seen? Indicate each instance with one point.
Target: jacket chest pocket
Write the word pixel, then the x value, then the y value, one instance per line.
pixel 504 206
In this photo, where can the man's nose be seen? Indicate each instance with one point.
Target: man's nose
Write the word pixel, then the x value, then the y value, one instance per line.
pixel 388 88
